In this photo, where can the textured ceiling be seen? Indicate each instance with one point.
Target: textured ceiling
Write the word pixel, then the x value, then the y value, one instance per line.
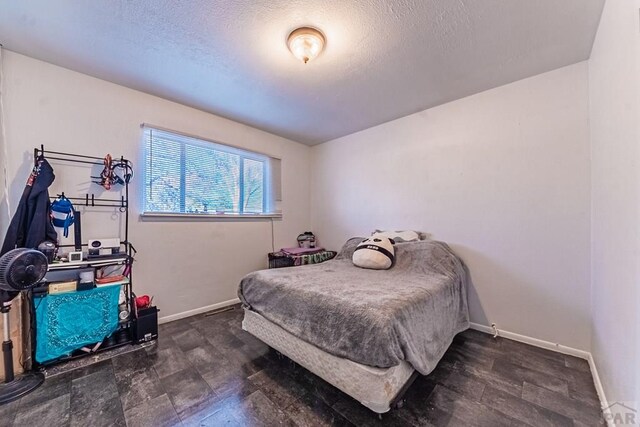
pixel 383 59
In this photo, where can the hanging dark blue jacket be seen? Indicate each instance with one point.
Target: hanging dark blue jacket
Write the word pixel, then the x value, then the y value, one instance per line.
pixel 31 224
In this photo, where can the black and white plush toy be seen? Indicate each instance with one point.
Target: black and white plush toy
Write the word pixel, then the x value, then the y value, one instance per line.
pixel 376 253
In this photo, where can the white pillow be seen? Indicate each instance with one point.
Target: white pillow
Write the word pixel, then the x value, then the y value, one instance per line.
pixel 400 236
pixel 376 253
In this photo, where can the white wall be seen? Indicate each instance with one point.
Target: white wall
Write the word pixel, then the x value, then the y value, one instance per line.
pixel 185 265
pixel 503 176
pixel 4 214
pixel 4 220
pixel 614 82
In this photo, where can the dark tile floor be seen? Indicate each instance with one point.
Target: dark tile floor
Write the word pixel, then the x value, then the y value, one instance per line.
pixel 206 371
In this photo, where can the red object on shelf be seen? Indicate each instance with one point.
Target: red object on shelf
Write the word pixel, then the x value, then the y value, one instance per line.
pixel 143 301
pixel 109 279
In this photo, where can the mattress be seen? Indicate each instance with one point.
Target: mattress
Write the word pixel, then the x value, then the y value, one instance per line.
pixel 410 312
pixel 375 388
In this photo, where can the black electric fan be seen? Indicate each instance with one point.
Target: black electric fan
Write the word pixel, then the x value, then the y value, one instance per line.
pixel 20 269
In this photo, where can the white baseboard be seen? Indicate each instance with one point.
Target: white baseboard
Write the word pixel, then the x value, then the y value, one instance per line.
pixel 553 347
pixel 604 403
pixel 195 311
pixel 533 341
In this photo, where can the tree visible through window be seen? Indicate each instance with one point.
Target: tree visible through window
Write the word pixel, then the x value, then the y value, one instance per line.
pixel 191 176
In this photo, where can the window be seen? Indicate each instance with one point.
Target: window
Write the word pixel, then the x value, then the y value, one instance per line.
pixel 187 175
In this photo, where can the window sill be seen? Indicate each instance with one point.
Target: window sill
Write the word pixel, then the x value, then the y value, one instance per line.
pixel 158 216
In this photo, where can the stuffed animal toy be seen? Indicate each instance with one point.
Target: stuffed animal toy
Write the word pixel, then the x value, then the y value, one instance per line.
pixel 376 253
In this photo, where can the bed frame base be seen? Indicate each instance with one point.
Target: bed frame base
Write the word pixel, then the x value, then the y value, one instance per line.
pixel 398 401
pixel 377 389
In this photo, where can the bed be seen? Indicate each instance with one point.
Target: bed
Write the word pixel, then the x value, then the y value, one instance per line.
pixel 366 332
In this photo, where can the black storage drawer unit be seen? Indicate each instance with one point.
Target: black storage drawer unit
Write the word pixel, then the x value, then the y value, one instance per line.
pixel 145 326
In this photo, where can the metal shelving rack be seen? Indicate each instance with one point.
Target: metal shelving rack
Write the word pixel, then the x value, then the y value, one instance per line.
pixel 127 258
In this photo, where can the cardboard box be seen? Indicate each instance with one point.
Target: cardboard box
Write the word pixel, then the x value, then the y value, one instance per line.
pixel 60 287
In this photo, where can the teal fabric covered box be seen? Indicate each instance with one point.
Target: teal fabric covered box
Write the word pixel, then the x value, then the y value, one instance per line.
pixel 68 321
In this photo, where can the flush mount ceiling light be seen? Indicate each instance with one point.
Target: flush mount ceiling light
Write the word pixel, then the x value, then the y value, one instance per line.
pixel 305 43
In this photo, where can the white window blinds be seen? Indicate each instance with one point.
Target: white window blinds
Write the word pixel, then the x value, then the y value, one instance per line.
pixel 187 175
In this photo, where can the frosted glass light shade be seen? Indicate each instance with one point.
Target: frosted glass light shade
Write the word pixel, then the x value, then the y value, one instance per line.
pixel 305 43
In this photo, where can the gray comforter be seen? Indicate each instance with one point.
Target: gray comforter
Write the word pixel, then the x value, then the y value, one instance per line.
pixel 374 317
